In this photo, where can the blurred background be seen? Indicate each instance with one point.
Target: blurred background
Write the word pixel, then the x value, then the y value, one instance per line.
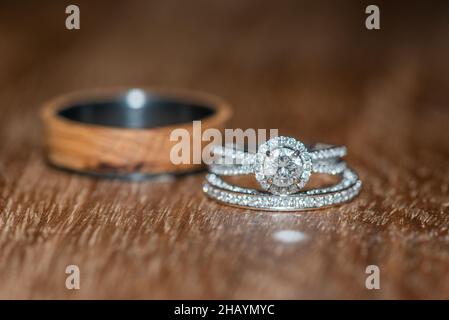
pixel 313 57
pixel 310 69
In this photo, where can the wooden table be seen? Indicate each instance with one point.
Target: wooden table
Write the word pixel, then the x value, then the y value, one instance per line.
pixel 309 68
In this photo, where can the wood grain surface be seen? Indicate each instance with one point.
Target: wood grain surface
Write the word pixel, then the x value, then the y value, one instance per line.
pixel 309 68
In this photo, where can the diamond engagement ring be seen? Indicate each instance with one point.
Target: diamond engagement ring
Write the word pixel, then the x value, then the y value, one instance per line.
pixel 282 165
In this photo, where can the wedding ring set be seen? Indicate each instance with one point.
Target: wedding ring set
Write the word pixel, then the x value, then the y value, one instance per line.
pixel 282 166
pixel 126 133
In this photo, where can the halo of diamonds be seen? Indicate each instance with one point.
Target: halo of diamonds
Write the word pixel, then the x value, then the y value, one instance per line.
pixel 345 190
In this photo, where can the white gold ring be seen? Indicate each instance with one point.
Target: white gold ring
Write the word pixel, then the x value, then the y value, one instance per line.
pixel 345 190
pixel 282 165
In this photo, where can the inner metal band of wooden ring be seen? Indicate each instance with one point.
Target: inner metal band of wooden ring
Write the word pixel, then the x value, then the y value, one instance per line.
pixel 125 133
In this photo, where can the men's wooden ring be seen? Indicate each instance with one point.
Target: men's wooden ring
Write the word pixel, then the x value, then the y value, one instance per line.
pixel 126 132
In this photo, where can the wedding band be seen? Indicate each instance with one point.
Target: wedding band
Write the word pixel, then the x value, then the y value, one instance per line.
pixel 125 132
pixel 282 165
pixel 345 190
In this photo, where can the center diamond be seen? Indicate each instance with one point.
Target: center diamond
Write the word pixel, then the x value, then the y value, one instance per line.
pixel 282 165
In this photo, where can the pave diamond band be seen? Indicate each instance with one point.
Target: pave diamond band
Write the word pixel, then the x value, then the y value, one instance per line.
pixel 329 167
pixel 319 151
pixel 345 190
